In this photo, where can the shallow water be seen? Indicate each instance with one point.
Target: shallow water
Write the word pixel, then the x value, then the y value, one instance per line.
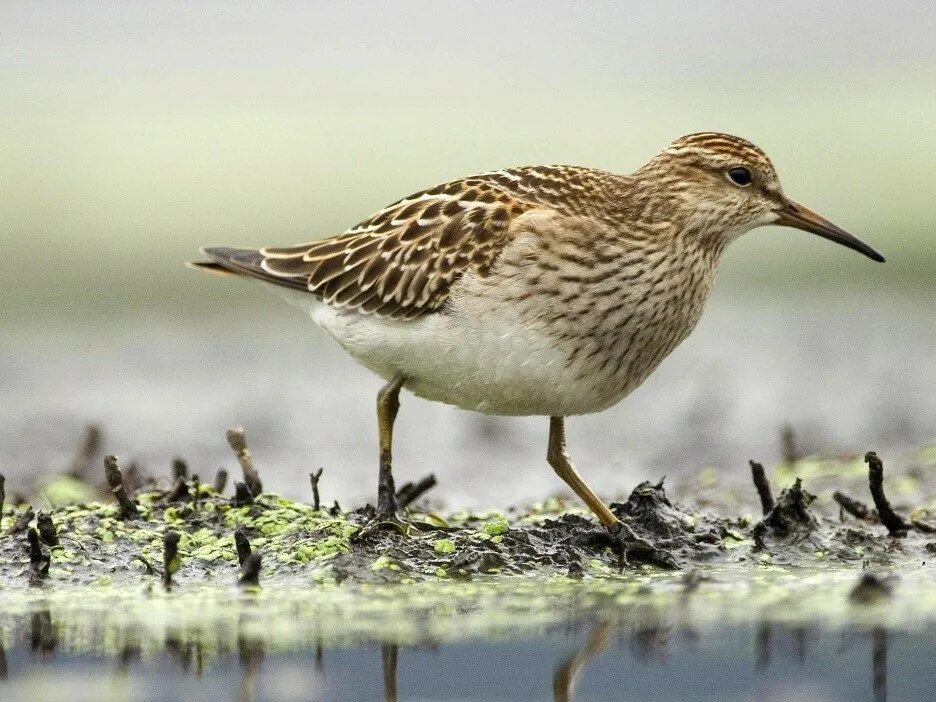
pixel 733 663
pixel 781 636
pixel 848 374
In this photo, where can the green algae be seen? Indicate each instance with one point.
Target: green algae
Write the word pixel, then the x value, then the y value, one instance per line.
pixel 301 545
pixel 105 618
pixel 95 539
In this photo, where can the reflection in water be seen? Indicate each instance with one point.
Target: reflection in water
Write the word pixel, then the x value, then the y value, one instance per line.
pixel 42 633
pixel 388 665
pixel 655 649
pixel 879 664
pixel 250 650
pixel 566 672
pixel 762 646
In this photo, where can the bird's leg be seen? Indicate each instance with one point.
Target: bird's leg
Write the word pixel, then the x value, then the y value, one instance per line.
pixel 621 535
pixel 558 458
pixel 388 404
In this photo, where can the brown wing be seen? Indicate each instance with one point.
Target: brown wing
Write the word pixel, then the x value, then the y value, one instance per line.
pixel 402 261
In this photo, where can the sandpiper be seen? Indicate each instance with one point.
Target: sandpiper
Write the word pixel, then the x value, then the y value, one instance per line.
pixel 540 290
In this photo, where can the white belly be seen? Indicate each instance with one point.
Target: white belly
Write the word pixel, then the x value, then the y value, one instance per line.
pixel 485 363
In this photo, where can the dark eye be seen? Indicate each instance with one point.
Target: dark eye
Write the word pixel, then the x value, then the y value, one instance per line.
pixel 740 175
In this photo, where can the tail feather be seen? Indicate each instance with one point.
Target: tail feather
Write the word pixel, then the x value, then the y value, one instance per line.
pixel 229 260
pixel 210 267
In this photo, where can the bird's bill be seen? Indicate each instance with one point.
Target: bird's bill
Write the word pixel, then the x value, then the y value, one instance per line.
pixel 795 215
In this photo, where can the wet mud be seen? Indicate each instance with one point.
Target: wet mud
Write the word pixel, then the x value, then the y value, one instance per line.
pixel 114 526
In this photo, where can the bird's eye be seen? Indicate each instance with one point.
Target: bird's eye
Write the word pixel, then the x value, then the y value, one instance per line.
pixel 740 176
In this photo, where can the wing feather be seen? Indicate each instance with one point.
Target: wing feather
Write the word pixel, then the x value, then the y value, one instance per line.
pixel 403 260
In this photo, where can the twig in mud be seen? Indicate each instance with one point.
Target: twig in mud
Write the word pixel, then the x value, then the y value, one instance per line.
pixel 132 478
pixel 238 442
pixel 763 486
pixel 179 491
pixel 895 524
pixel 250 571
pixel 410 492
pixel 194 489
pixel 22 521
pixel 220 481
pixel 39 558
pixel 314 480
pixel 88 446
pixel 857 509
pixel 242 495
pixel 243 546
pixel 788 444
pixel 128 508
pixel 920 525
pixel 171 558
pixel 179 469
pixel 150 570
pixel 46 528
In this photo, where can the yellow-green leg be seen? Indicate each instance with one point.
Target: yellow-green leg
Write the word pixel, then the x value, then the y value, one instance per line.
pixel 558 458
pixel 388 404
pixel 620 534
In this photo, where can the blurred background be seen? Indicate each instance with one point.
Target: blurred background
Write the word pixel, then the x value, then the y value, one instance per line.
pixel 132 133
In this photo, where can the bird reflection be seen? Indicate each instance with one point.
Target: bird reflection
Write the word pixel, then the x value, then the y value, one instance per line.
pixel 568 671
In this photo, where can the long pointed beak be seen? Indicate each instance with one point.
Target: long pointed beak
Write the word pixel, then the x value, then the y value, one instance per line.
pixel 795 215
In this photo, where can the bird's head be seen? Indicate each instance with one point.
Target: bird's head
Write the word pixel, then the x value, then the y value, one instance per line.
pixel 723 186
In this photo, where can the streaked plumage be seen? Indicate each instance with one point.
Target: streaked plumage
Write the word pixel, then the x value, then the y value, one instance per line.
pixel 548 290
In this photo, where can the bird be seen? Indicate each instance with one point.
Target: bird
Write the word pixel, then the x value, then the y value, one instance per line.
pixel 551 291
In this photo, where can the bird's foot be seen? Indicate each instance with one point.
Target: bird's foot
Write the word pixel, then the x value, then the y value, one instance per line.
pixel 630 547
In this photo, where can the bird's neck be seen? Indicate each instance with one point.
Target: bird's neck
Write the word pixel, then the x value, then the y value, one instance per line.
pixel 667 207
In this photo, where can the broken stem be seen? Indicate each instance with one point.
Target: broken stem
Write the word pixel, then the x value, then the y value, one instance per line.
pixel 895 524
pixel 242 495
pixel 179 468
pixel 88 446
pixel 763 486
pixel 47 531
pixel 857 509
pixel 128 508
pixel 314 480
pixel 220 481
pixel 171 559
pixel 178 491
pixel 238 442
pixel 410 492
pixel 243 546
pixel 39 558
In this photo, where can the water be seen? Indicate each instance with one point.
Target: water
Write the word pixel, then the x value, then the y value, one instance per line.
pixel 741 663
pixel 732 643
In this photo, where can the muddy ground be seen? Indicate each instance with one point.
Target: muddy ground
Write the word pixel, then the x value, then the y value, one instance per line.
pixel 99 524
